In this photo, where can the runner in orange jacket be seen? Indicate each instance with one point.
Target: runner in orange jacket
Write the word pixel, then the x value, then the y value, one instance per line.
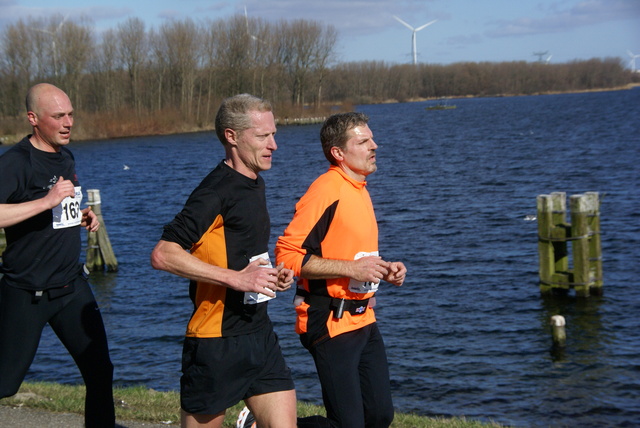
pixel 332 245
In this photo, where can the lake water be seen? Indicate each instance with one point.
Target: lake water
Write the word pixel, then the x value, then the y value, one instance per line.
pixel 468 334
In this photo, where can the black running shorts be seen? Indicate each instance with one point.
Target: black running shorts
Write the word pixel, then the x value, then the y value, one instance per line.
pixel 219 372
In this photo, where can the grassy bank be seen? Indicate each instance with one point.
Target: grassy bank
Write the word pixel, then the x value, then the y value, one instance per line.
pixel 146 405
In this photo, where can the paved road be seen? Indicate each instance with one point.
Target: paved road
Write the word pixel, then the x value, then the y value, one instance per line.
pixel 23 417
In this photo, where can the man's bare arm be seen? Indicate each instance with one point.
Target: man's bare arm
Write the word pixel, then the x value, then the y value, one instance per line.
pixel 365 269
pixel 171 257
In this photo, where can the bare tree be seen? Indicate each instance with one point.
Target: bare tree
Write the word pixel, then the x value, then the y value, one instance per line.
pixel 208 62
pixel 304 47
pixel 133 52
pixel 47 43
pixel 180 44
pixel 17 63
pixel 76 47
pixel 159 67
pixel 325 52
pixel 297 40
pixel 105 92
pixel 234 54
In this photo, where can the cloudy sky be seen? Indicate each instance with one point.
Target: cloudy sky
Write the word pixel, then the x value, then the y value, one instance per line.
pixel 465 30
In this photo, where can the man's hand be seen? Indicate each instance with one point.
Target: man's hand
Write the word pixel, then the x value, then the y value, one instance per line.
pixel 285 278
pixel 58 192
pixel 90 220
pixel 369 269
pixel 397 273
pixel 257 278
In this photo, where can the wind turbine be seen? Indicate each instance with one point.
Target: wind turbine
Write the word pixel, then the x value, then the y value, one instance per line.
pixel 548 59
pixel 246 20
pixel 54 36
pixel 540 55
pixel 632 62
pixel 414 51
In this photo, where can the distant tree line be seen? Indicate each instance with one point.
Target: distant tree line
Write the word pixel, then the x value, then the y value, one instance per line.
pixel 369 82
pixel 183 69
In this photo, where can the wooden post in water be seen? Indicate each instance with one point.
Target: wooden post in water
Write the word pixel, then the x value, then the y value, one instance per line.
pixel 558 331
pixel 545 249
pixel 595 245
pixel 584 233
pixel 552 242
pixel 99 250
pixel 587 261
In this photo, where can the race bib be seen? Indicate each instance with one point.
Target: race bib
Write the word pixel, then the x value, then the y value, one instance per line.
pixel 363 287
pixel 251 298
pixel 68 213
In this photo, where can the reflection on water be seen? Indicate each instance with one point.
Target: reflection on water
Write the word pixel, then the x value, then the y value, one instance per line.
pixel 584 324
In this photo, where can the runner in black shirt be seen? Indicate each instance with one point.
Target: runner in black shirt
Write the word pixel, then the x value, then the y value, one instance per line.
pixel 43 280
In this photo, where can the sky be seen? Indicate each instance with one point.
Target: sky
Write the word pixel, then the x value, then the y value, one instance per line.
pixel 465 30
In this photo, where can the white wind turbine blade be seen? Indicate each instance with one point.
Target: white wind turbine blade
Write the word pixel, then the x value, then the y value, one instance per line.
pixel 426 25
pixel 246 19
pixel 61 23
pixel 404 23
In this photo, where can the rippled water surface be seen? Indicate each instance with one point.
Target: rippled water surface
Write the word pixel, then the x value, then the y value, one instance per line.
pixel 468 333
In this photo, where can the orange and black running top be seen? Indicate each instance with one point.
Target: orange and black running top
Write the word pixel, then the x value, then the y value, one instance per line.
pixel 333 220
pixel 225 223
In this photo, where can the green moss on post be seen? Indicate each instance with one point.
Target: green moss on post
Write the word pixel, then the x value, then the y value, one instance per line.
pixel 595 246
pixel 560 232
pixel 585 276
pixel 587 266
pixel 545 246
pixel 552 245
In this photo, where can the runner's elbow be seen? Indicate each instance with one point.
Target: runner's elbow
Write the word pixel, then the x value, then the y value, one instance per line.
pixel 159 258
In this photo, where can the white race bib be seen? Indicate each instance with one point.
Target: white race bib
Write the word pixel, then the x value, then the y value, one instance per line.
pixel 68 213
pixel 251 298
pixel 363 287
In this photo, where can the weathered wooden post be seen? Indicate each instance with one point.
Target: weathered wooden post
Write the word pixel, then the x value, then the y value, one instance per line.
pixel 587 262
pixel 545 249
pixel 595 245
pixel 585 276
pixel 99 250
pixel 552 242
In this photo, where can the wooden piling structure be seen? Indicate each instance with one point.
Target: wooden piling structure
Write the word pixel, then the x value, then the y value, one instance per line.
pixel 99 250
pixel 585 232
pixel 585 277
pixel 552 243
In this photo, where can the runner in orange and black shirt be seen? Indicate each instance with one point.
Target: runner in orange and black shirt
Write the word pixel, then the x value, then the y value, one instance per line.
pixel 332 245
pixel 219 242
pixel 334 220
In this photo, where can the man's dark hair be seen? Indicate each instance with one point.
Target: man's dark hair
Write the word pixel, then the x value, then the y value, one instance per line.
pixel 334 131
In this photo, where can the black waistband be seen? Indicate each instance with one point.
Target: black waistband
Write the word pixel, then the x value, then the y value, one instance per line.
pixel 338 306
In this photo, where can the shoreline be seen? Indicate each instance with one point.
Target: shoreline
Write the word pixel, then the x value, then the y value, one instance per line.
pixel 12 139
